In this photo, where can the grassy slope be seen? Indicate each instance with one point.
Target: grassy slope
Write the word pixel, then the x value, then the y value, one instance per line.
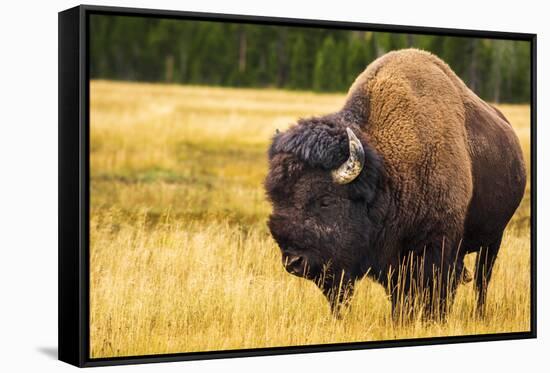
pixel 181 259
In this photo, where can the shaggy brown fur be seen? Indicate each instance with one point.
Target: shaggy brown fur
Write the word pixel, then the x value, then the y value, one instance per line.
pixel 443 176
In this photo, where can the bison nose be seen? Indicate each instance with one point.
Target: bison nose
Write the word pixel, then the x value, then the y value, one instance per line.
pixel 295 264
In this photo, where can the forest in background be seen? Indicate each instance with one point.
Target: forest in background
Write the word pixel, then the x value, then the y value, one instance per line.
pixel 297 58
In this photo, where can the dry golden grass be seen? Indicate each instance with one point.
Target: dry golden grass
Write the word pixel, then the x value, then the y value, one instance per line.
pixel 181 259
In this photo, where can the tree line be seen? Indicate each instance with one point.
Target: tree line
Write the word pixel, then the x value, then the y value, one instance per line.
pixel 322 60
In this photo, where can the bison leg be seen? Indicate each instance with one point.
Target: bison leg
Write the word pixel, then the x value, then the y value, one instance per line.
pixel 442 293
pixel 425 286
pixel 402 292
pixel 484 268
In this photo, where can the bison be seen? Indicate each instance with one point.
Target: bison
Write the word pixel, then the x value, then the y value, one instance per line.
pixel 414 172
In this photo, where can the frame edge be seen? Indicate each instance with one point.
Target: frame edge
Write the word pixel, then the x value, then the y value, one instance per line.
pixel 70 296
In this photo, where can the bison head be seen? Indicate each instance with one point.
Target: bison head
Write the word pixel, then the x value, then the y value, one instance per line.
pixel 321 182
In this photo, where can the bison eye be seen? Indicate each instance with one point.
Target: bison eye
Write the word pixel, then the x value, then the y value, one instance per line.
pixel 324 201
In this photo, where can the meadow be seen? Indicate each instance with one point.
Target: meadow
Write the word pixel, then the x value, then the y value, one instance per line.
pixel 181 259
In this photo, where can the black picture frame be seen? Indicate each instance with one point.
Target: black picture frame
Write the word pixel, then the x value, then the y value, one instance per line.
pixel 74 192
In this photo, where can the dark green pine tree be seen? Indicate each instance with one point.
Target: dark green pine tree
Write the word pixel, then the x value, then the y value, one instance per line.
pixel 358 57
pixel 300 74
pixel 327 74
pixel 520 77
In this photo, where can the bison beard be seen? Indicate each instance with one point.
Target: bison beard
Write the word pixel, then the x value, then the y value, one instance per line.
pixel 399 185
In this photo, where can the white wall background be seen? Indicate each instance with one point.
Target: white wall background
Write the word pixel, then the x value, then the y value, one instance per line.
pixel 28 184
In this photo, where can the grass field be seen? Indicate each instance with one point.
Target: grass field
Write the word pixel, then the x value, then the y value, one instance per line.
pixel 181 258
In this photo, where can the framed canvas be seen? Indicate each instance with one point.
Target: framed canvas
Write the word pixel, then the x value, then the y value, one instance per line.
pixel 235 186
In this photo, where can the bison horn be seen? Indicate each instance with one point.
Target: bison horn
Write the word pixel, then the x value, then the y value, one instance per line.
pixel 351 168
